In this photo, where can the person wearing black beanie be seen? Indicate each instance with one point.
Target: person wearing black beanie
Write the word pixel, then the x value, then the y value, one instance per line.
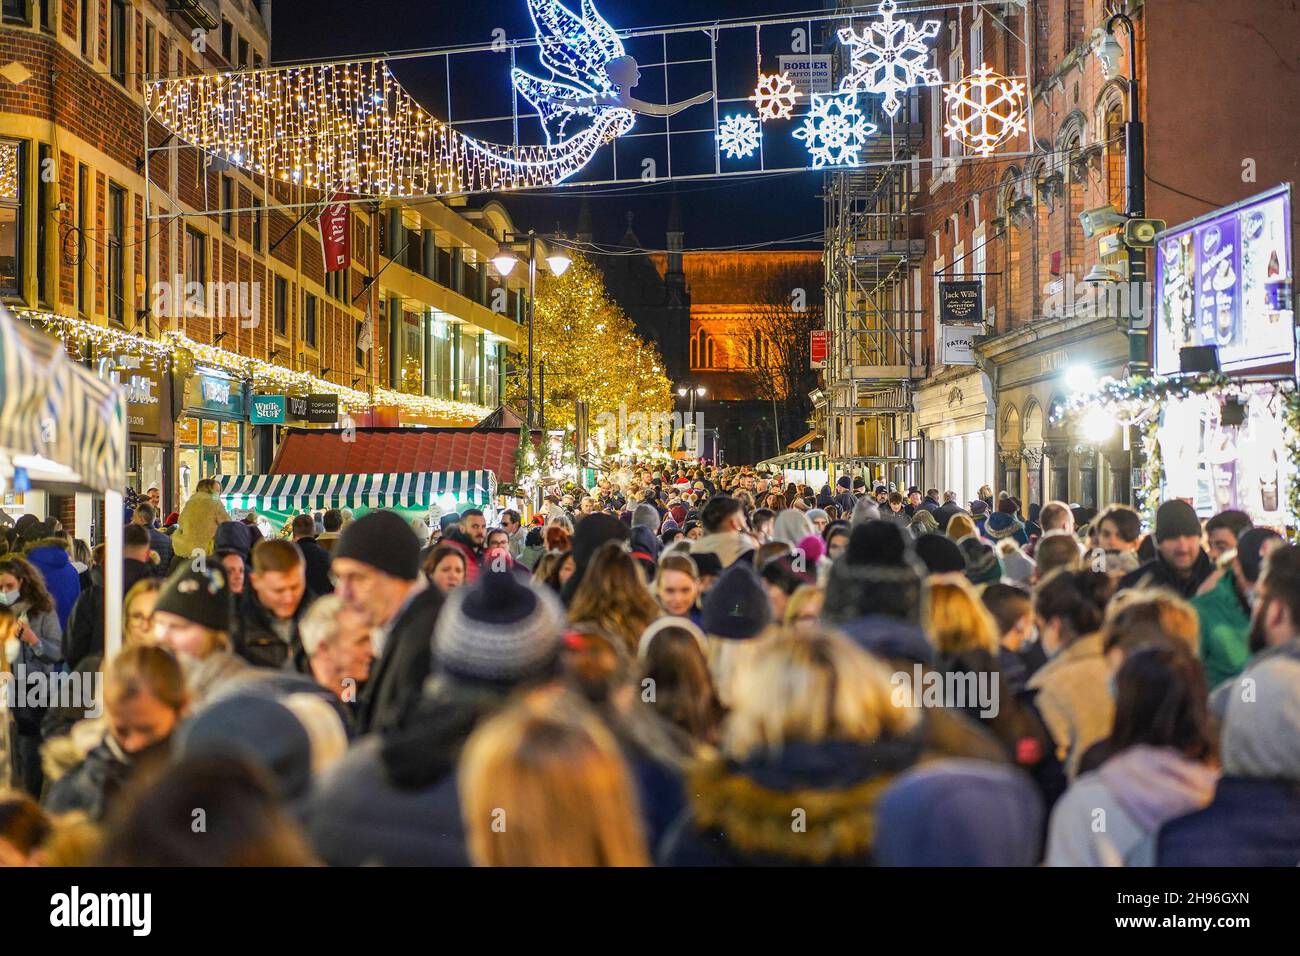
pixel 1180 564
pixel 590 533
pixel 940 554
pixel 376 571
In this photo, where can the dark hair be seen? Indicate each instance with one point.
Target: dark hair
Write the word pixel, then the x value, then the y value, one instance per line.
pixel 437 554
pixel 684 692
pixel 1007 603
pixel 1161 701
pixel 761 516
pixel 534 539
pixel 1280 579
pixel 511 514
pixel 304 526
pixel 471 513
pixel 135 536
pixel 1077 598
pixel 1127 522
pixel 31 586
pixel 834 528
pixel 22 822
pixel 1230 520
pixel 718 510
pixel 332 519
pixel 553 579
pixel 781 572
pixel 245 825
pixel 145 511
pixel 895 498
pixel 1008 505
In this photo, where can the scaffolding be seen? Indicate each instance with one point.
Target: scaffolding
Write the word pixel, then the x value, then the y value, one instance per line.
pixel 872 258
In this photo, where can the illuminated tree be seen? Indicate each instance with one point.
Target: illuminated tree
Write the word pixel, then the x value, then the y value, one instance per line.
pixel 591 352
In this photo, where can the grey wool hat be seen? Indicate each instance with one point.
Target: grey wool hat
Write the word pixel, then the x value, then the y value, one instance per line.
pixel 498 629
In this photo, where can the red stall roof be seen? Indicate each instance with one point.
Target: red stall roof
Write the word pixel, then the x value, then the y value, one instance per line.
pixel 324 451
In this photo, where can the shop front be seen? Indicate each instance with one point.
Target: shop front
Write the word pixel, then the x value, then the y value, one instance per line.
pixel 211 433
pixel 147 384
pixel 1033 371
pixel 954 416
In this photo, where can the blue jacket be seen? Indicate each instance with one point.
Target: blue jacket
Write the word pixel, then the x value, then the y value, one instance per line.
pixel 1249 823
pixel 61 578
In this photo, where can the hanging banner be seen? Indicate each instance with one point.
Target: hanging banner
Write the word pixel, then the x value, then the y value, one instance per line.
pixel 961 301
pixel 811 72
pixel 334 225
pixel 958 344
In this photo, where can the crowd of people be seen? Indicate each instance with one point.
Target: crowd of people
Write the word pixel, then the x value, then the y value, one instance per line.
pixel 681 666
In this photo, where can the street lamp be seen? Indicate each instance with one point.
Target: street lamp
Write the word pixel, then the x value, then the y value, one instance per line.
pixel 693 391
pixel 505 260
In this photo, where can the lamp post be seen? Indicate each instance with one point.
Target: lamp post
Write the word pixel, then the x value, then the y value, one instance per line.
pixel 505 260
pixel 1108 51
pixel 692 391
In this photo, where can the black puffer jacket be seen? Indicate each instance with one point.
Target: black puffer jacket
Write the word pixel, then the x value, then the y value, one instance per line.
pixel 254 637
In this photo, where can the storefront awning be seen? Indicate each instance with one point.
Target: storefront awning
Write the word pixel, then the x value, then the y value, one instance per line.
pixel 412 490
pixel 813 437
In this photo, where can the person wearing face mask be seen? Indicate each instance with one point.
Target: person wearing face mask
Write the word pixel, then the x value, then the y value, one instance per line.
pixel 36 648
pixel 1224 610
pixel 144 698
pixel 1180 564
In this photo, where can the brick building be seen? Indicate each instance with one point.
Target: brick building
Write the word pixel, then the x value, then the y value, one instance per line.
pixel 119 266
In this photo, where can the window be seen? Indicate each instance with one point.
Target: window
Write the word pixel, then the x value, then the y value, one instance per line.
pixel 309 319
pixel 150 48
pixel 281 306
pixel 227 204
pixel 257 225
pixel 43 212
pixel 86 18
pixel 336 285
pixel 117 41
pixel 977 44
pixel 15 11
pixel 46 15
pixel 257 61
pixel 116 249
pixel 11 218
pixel 83 204
pixel 227 35
pixel 243 52
pixel 196 268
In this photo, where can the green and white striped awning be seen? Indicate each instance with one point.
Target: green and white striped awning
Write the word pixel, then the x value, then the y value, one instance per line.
pixel 415 490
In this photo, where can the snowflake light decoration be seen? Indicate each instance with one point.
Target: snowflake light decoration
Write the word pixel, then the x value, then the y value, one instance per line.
pixel 889 56
pixel 834 131
pixel 738 135
pixel 775 96
pixel 984 110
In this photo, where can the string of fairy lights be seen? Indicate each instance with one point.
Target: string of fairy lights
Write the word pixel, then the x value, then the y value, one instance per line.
pixel 177 352
pixel 352 126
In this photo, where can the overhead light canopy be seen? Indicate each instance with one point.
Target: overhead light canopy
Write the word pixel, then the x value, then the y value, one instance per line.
pixel 505 259
pixel 559 262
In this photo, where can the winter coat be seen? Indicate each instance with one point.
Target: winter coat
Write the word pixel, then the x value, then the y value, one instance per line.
pixel 318 566
pixel 1225 630
pixel 727 545
pixel 393 800
pixel 95 784
pixel 645 541
pixel 741 813
pixel 61 578
pixel 253 635
pixel 85 632
pixel 1138 791
pixel 47 652
pixel 161 544
pixel 1157 573
pixel 1072 693
pixel 398 676
pixel 944 512
pixel 1249 823
pixel 473 556
pixel 198 526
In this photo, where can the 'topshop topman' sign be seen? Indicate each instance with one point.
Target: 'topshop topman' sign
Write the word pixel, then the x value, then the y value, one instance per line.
pixel 1225 279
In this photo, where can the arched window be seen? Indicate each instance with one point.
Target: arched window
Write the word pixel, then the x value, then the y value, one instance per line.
pixel 708 351
pixel 1011 427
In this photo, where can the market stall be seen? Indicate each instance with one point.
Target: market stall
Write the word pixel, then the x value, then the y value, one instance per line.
pixel 801 468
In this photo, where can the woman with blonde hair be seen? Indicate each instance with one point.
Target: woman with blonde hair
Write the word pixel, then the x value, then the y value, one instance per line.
pixel 137 611
pixel 543 784
pixel 923 522
pixel 613 596
pixel 960 526
pixel 814 738
pixel 804 608
pixel 955 618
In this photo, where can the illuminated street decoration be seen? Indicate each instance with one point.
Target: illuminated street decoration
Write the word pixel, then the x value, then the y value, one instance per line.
pixel 775 96
pixel 738 135
pixel 352 126
pixel 984 110
pixel 834 131
pixel 889 56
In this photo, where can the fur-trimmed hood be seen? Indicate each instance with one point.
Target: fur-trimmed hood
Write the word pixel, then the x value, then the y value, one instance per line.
pixel 811 804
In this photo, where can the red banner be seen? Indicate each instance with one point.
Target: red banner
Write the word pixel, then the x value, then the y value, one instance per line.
pixel 335 225
pixel 818 348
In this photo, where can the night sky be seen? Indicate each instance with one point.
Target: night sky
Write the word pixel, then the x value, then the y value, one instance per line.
pixel 716 212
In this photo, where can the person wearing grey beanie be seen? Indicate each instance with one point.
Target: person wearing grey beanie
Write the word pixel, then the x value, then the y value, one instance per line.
pixel 1180 564
pixel 646 515
pixel 500 629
